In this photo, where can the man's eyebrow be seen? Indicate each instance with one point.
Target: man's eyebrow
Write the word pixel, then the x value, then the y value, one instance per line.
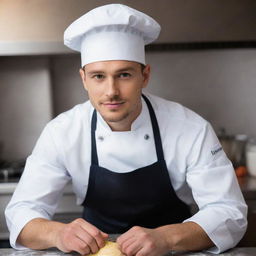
pixel 92 72
pixel 125 69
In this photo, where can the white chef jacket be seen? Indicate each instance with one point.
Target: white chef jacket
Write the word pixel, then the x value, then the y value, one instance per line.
pixel 198 168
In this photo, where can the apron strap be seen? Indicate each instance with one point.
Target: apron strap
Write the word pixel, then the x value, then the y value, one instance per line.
pixel 94 156
pixel 156 131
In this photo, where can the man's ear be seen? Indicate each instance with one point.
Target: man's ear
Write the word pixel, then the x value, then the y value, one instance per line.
pixel 146 75
pixel 82 75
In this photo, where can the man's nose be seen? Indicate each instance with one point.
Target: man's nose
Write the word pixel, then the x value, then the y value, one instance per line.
pixel 111 88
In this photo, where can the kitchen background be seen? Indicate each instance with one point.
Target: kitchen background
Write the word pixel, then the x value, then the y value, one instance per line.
pixel 205 59
pixel 39 76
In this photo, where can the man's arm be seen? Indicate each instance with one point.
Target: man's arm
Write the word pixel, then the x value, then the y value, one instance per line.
pixel 79 236
pixel 187 236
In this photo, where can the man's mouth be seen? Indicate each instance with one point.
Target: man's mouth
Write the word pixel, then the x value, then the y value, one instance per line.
pixel 113 104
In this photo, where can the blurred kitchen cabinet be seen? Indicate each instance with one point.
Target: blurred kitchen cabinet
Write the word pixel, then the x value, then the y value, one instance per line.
pixel 248 187
pixel 4 199
pixel 249 239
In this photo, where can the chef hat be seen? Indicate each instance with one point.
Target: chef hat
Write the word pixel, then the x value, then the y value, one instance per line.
pixel 112 32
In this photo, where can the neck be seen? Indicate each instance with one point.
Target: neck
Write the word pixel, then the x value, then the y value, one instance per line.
pixel 119 128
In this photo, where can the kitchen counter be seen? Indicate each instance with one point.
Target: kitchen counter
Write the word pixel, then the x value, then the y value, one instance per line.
pixel 250 251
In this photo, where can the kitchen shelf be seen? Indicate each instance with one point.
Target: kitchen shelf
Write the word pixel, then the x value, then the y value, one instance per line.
pixel 23 48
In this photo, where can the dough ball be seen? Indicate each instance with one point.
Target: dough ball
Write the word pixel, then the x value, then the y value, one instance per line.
pixel 110 249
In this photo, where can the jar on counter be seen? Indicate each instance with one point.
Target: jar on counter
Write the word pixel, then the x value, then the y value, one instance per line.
pixel 251 157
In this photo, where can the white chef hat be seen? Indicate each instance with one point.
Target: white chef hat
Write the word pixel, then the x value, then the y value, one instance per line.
pixel 112 32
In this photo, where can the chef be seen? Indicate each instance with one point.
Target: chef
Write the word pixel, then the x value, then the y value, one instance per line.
pixel 136 161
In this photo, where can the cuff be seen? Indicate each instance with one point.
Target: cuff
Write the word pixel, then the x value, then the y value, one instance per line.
pixel 216 230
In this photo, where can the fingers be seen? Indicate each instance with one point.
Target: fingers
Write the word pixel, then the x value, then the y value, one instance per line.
pixel 82 237
pixel 145 252
pixel 140 241
pixel 80 247
pixel 87 239
pixel 92 236
pixel 130 247
pixel 134 248
pixel 129 234
pixel 129 242
pixel 69 241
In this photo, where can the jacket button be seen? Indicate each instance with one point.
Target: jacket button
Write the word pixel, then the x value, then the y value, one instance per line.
pixel 101 138
pixel 146 137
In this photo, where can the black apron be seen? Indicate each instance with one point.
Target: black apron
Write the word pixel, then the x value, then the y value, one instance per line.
pixel 115 202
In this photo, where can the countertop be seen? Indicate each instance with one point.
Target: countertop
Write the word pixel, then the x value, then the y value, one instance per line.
pixel 249 251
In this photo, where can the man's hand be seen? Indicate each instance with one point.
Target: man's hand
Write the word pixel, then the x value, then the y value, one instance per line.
pixel 80 236
pixel 187 236
pixel 140 241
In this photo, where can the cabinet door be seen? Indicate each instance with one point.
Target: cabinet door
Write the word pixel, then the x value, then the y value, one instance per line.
pixel 4 200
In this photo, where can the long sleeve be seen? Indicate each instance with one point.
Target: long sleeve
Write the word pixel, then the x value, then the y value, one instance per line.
pixel 211 177
pixel 40 187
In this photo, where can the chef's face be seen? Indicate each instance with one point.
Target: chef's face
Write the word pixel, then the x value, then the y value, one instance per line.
pixel 114 89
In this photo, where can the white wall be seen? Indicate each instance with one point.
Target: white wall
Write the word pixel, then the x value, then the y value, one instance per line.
pixel 181 20
pixel 25 104
pixel 66 83
pixel 217 84
pixel 220 85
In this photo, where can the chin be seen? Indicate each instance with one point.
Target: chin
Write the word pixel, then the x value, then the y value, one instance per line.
pixel 114 117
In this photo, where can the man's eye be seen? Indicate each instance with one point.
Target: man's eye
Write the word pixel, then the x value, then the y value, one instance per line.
pixel 125 75
pixel 98 77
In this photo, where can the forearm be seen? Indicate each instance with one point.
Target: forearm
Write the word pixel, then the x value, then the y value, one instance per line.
pixel 78 235
pixel 40 234
pixel 187 236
